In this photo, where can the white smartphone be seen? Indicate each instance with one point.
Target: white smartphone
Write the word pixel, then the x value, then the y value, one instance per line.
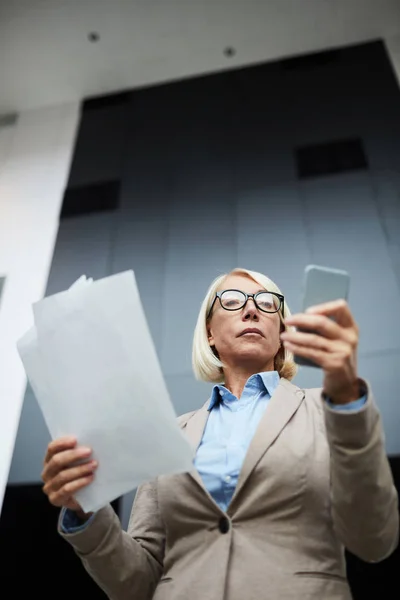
pixel 322 284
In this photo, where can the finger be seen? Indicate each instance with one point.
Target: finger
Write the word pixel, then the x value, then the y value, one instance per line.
pixel 63 460
pixel 62 496
pixel 316 323
pixel 68 475
pixel 58 445
pixel 312 340
pixel 338 309
pixel 329 361
pixel 318 356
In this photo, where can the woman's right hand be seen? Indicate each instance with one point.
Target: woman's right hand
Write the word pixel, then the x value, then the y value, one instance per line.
pixel 61 474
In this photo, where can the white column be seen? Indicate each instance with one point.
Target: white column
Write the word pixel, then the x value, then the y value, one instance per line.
pixel 35 157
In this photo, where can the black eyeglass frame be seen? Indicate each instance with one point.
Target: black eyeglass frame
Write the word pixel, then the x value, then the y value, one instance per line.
pixel 247 296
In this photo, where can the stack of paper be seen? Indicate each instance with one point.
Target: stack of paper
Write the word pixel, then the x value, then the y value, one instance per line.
pixel 93 368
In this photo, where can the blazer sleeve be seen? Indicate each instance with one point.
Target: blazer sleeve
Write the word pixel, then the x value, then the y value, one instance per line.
pixel 364 499
pixel 129 564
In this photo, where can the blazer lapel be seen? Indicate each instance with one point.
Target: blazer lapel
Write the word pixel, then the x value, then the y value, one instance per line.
pixel 283 404
pixel 194 432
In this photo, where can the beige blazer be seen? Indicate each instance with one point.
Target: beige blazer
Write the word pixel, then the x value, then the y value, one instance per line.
pixel 313 481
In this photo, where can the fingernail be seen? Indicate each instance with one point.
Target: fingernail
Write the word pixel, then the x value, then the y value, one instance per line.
pixel 85 451
pixel 93 464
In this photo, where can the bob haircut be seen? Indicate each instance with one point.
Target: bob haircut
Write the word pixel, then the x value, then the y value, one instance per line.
pixel 206 364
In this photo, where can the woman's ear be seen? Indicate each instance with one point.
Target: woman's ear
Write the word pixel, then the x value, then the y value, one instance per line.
pixel 210 337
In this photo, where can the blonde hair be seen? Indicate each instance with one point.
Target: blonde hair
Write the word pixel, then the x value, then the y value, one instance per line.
pixel 206 365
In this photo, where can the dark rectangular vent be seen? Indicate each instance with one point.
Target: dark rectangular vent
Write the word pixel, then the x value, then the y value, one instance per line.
pixel 93 198
pixel 329 158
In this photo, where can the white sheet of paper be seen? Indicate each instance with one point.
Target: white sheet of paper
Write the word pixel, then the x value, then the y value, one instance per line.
pixel 93 367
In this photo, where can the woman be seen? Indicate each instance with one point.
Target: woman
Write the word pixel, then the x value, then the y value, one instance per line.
pixel 285 478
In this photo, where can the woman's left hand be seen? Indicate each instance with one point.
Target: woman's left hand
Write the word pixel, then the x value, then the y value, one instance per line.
pixel 333 347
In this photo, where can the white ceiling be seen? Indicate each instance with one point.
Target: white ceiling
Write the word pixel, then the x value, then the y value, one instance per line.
pixel 46 58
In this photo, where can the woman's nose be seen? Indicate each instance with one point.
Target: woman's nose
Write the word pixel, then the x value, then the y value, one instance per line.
pixel 250 310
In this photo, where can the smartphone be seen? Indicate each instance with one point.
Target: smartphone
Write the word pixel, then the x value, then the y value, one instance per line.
pixel 322 284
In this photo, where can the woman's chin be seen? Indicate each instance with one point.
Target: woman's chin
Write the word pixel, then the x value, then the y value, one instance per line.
pixel 252 353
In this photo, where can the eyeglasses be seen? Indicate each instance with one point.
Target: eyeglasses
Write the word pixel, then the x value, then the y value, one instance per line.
pixel 268 302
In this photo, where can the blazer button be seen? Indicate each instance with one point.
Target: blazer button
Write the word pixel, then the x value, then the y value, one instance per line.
pixel 224 525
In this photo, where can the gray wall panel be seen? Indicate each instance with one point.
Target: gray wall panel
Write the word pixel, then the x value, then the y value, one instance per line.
pixel 148 173
pixel 345 232
pixel 381 370
pixel 141 246
pixel 200 247
pixel 83 247
pixel 186 394
pixel 309 377
pixel 272 237
pixel 386 184
pixel 141 242
pixel 202 233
